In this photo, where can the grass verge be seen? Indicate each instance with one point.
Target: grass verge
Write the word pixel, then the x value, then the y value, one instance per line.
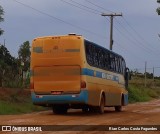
pixel 16 101
pixel 17 108
pixel 139 93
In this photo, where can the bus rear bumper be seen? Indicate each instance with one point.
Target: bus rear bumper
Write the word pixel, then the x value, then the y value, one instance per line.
pixel 47 100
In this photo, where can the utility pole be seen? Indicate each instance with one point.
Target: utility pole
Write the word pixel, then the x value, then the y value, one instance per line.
pixel 153 77
pixel 153 74
pixel 111 26
pixel 145 74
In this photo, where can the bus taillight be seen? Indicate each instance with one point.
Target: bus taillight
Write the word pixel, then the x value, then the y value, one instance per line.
pixel 83 84
pixel 31 86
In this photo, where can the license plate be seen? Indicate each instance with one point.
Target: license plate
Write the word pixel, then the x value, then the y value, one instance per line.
pixel 56 92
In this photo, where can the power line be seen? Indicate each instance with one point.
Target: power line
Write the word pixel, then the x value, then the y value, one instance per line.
pixel 144 47
pixel 86 6
pixel 135 39
pixel 56 18
pixel 148 51
pixel 80 7
pixel 99 6
pixel 129 51
pixel 138 35
pixel 130 39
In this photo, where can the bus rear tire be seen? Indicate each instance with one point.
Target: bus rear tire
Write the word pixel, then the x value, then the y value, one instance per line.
pixel 118 108
pixel 60 109
pixel 85 109
pixel 100 109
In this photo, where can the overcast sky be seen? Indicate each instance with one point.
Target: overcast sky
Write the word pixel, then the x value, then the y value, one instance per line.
pixel 135 34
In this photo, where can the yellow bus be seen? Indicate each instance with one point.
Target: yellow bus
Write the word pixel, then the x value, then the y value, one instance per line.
pixel 72 72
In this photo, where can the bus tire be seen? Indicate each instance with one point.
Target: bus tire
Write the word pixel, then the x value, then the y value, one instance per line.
pixel 100 109
pixel 118 108
pixel 85 109
pixel 59 109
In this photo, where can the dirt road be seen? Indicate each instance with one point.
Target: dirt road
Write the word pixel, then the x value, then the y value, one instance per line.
pixel 147 113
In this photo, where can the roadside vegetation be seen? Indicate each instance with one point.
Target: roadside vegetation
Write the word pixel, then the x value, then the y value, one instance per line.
pixel 17 108
pixel 16 101
pixel 139 93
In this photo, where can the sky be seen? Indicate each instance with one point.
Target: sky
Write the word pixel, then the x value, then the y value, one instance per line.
pixel 135 34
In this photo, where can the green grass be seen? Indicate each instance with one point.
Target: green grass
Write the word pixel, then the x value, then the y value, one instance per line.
pixel 17 108
pixel 139 93
pixel 16 101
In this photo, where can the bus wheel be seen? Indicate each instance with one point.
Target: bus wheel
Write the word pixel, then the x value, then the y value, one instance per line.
pixel 100 108
pixel 60 109
pixel 85 109
pixel 118 108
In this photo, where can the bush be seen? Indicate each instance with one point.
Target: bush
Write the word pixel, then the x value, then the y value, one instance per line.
pixel 141 94
pixel 138 94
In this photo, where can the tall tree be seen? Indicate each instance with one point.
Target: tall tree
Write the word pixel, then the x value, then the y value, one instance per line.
pixel 6 61
pixel 24 55
pixel 1 18
pixel 158 9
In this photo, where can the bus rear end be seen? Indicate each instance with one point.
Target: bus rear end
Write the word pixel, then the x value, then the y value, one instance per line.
pixel 56 64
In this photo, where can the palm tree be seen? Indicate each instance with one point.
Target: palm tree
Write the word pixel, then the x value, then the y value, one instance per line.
pixel 1 18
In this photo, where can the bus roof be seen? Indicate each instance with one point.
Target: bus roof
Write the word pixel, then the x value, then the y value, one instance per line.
pixel 73 35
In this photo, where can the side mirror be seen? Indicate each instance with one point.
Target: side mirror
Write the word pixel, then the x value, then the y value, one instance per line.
pixel 127 76
pixel 126 73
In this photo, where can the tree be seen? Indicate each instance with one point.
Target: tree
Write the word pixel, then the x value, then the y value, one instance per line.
pixel 158 9
pixel 24 55
pixel 6 61
pixel 1 18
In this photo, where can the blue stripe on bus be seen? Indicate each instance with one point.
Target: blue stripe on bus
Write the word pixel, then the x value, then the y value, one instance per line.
pixel 86 71
pixel 90 72
pixel 82 97
pixel 98 74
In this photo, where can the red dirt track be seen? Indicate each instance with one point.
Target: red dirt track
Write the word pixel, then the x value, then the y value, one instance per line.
pixel 146 113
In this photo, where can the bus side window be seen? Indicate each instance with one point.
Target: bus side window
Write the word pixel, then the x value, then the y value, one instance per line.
pixel 119 67
pixel 94 56
pixel 107 61
pixel 87 53
pixel 112 60
pixel 116 62
pixel 123 66
pixel 90 55
pixel 102 59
